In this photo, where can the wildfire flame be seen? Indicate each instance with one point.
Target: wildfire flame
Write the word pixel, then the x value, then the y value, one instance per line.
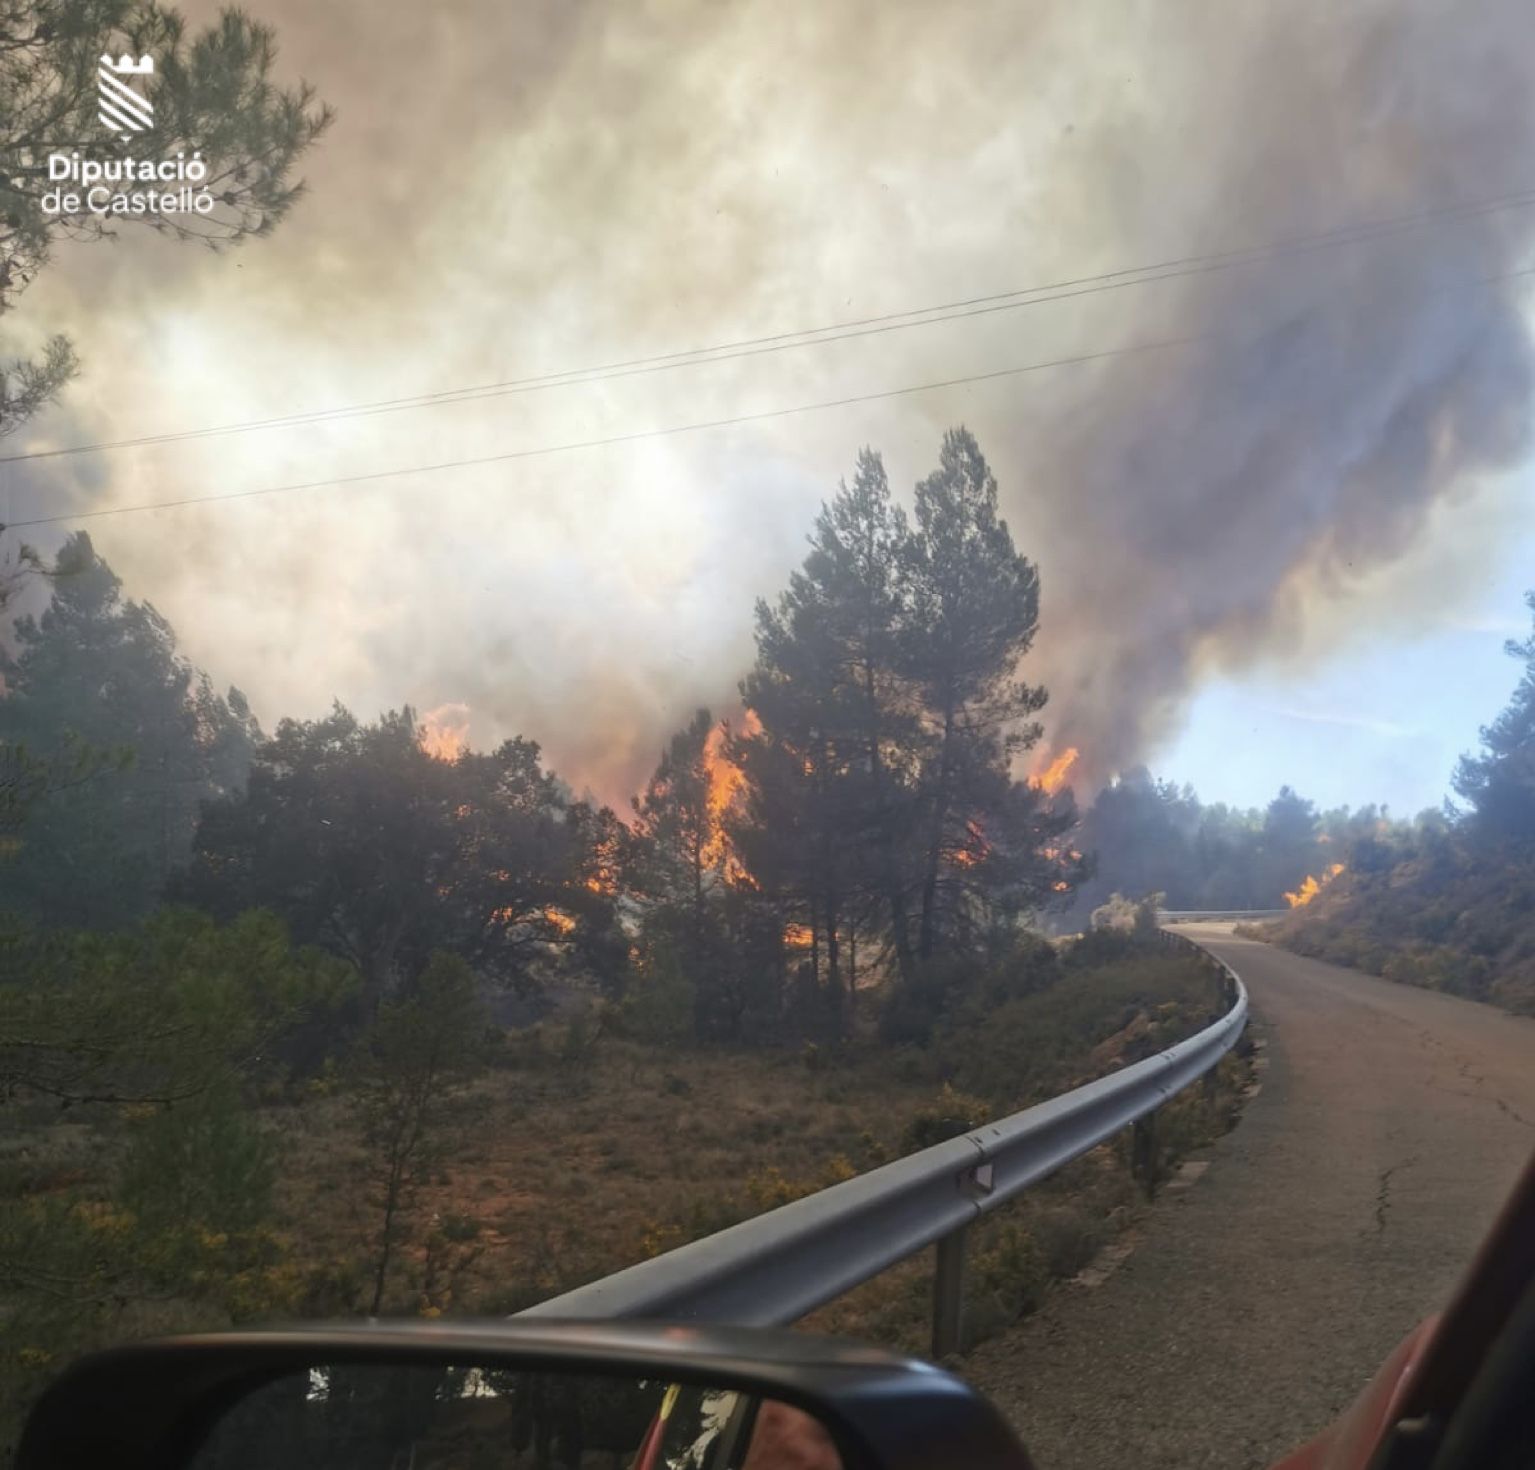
pixel 1312 886
pixel 1053 777
pixel 976 847
pixel 604 872
pixel 559 920
pixel 797 936
pixel 725 781
pixel 445 731
pixel 1055 855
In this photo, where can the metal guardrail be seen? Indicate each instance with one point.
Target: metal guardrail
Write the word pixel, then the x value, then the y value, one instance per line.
pixel 773 1269
pixel 1194 916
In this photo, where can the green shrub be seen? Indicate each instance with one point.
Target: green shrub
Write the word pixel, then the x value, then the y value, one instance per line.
pixel 952 1114
pixel 942 991
pixel 200 1165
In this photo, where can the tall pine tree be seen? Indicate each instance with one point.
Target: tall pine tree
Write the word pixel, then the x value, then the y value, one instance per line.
pixel 974 613
pixel 1500 782
pixel 879 797
pixel 98 672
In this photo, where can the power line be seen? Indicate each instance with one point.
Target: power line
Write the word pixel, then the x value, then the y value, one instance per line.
pixel 630 438
pixel 1175 269
pixel 638 435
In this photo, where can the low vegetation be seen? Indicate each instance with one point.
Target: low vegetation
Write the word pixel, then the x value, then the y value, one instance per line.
pixel 546 1155
pixel 1426 906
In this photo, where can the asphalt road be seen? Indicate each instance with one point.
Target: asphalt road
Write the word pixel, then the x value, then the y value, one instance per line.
pixel 1389 1125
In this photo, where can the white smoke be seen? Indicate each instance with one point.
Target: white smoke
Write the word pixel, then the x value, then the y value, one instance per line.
pixel 512 190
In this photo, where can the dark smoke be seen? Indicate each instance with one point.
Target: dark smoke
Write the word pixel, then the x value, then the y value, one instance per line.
pixel 1197 505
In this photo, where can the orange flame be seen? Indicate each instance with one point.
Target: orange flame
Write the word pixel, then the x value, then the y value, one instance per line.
pixel 603 874
pixel 976 849
pixel 1312 886
pixel 797 936
pixel 444 731
pixel 1053 777
pixel 559 920
pixel 725 780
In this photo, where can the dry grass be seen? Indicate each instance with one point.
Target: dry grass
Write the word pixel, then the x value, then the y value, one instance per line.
pixel 554 1172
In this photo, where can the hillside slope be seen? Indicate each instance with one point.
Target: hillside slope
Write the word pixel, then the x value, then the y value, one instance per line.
pixel 1437 910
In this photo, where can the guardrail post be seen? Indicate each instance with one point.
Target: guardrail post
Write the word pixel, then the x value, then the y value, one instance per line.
pixel 949 1294
pixel 1143 1152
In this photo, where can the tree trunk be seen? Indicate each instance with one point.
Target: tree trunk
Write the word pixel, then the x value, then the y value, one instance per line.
pixel 386 1235
pixel 852 973
pixel 935 842
pixel 815 942
pixel 833 968
pixel 900 931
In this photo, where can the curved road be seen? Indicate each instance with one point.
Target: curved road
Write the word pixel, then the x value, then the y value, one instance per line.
pixel 1256 1303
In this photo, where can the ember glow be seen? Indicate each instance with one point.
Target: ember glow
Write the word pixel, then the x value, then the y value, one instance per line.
pixel 445 731
pixel 797 936
pixel 1054 775
pixel 1312 886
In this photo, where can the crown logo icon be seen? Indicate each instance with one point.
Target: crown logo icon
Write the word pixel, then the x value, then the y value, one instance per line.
pixel 119 107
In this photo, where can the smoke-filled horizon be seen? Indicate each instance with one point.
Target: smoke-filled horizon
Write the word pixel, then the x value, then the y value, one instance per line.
pixel 515 191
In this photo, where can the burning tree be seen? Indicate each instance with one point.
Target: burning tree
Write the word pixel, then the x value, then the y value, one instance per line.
pixel 375 850
pixel 879 799
pixel 688 876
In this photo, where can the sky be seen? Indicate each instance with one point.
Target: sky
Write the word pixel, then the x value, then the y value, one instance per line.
pixel 1384 726
pixel 1383 718
pixel 1279 498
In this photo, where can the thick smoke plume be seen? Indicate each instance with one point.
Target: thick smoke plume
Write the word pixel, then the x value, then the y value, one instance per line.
pixel 1344 393
pixel 514 189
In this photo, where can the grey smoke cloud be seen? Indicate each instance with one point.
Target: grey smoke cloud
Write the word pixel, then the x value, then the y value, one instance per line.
pixel 512 190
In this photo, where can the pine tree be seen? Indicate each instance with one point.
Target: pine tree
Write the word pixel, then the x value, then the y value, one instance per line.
pixel 974 613
pixel 1500 782
pixel 212 94
pixel 879 798
pixel 100 673
pixel 698 929
pixel 678 852
pixel 829 771
pixel 1289 849
pixel 376 851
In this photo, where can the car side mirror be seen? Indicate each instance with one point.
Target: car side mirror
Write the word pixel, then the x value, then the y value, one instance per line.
pixel 480 1396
